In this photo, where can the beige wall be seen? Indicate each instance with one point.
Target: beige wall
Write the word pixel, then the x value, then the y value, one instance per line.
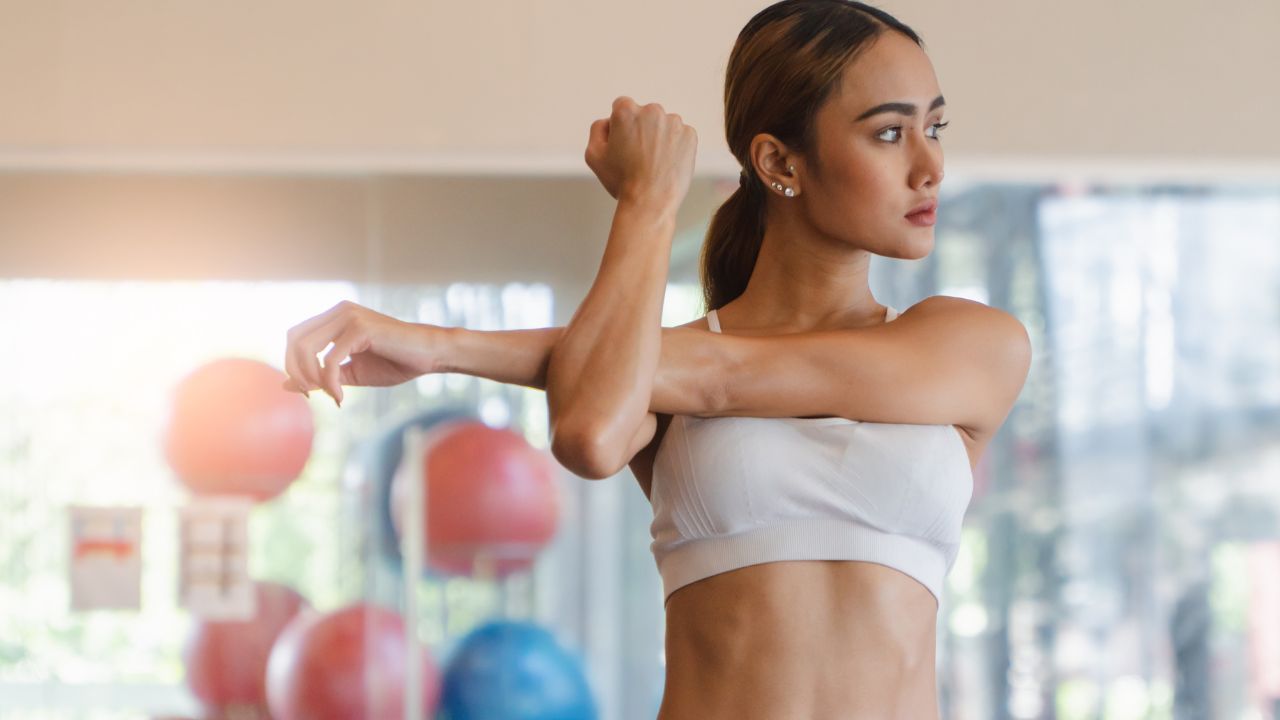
pixel 432 141
pixel 385 229
pixel 511 85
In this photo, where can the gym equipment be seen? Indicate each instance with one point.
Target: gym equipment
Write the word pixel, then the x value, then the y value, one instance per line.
pixel 492 502
pixel 226 662
pixel 345 665
pixel 514 670
pixel 376 463
pixel 232 430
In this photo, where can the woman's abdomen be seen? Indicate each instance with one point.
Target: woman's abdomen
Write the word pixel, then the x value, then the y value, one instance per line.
pixel 811 639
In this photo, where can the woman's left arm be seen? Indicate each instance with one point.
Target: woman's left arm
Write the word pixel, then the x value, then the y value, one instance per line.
pixel 945 360
pixel 600 374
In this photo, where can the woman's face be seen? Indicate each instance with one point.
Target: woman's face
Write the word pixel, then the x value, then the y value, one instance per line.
pixel 872 165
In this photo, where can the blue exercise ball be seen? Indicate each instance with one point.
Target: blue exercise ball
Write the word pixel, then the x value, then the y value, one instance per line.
pixel 378 459
pixel 514 670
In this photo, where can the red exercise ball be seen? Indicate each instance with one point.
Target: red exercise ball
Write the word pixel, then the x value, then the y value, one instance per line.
pixel 227 661
pixel 490 496
pixel 345 665
pixel 233 430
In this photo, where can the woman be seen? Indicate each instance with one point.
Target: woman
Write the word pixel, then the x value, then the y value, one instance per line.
pixel 808 451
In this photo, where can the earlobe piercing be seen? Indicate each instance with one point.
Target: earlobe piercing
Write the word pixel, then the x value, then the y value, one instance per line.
pixel 782 189
pixel 791 170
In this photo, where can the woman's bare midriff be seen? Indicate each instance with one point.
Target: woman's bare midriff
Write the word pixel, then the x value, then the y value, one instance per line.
pixel 808 639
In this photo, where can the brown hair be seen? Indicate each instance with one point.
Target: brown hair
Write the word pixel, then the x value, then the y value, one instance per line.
pixel 784 65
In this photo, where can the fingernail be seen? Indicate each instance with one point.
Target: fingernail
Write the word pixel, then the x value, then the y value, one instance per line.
pixel 337 402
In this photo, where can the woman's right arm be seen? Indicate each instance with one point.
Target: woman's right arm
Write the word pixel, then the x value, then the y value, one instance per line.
pixel 362 347
pixel 683 383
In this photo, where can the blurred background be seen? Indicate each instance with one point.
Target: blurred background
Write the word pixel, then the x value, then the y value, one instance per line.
pixel 182 182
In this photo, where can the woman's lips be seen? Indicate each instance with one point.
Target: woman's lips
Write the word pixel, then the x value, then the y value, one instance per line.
pixel 924 218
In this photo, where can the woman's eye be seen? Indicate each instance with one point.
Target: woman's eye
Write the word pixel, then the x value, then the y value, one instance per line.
pixel 937 129
pixel 890 130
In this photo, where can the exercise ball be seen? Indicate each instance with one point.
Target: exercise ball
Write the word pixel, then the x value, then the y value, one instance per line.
pixel 513 670
pixel 226 662
pixel 345 665
pixel 232 430
pixel 492 502
pixel 376 461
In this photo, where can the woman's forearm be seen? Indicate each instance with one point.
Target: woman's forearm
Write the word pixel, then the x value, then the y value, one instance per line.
pixel 514 357
pixel 600 375
pixel 685 382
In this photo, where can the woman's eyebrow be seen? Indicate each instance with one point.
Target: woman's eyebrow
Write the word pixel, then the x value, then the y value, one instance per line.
pixel 900 108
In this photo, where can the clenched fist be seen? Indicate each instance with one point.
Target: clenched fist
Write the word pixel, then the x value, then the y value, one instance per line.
pixel 641 153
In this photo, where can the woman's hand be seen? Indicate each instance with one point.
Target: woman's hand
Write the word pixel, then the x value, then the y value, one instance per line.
pixel 642 153
pixel 382 350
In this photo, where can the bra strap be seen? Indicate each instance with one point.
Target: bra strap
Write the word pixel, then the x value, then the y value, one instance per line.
pixel 713 321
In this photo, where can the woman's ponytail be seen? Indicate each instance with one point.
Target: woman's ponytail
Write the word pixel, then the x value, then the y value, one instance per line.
pixel 732 244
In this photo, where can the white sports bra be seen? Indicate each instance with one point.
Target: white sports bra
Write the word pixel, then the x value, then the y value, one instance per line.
pixel 729 492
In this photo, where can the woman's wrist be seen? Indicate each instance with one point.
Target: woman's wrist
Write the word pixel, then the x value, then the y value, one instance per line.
pixel 516 357
pixel 442 347
pixel 653 204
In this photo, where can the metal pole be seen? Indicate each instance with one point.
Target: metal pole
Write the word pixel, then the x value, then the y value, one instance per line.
pixel 411 534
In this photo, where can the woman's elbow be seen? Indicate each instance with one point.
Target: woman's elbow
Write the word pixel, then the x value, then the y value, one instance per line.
pixel 585 453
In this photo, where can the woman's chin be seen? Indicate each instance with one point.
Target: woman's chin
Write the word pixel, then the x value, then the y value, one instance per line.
pixel 914 248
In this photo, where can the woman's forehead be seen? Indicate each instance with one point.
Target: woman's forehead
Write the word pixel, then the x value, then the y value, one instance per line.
pixel 893 69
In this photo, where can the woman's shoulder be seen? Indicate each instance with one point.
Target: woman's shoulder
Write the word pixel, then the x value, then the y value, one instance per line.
pixel 999 333
pixel 949 302
pixel 965 310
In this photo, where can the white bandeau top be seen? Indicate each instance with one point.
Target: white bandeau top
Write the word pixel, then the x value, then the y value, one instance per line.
pixel 729 492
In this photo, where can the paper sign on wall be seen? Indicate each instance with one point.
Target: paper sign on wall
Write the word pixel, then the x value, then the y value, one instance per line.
pixel 106 558
pixel 213 577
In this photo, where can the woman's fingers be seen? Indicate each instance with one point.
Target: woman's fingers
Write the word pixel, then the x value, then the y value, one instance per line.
pixel 642 150
pixel 596 153
pixel 301 362
pixel 352 340
pixel 623 103
pixel 307 340
pixel 349 373
pixel 599 132
pixel 292 367
pixel 291 385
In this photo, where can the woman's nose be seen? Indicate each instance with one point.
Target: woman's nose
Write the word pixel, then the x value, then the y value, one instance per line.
pixel 927 169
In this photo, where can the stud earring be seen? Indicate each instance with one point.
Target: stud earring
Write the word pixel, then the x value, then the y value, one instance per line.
pixel 787 191
pixel 776 186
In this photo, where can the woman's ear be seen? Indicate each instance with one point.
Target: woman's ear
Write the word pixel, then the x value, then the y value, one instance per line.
pixel 773 162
